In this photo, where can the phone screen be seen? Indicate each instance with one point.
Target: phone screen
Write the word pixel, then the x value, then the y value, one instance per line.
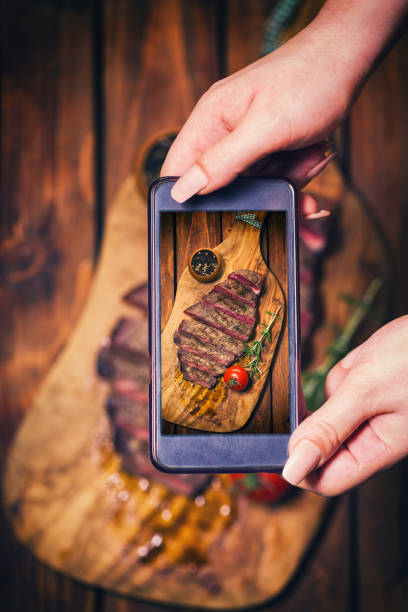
pixel 224 323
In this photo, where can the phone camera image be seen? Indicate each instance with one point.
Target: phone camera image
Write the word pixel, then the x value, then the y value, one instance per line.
pixel 224 322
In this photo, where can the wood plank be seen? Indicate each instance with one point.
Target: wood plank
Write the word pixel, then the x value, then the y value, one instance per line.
pixel 46 237
pixel 379 154
pixel 160 57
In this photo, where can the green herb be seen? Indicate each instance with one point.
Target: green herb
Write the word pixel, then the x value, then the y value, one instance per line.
pixel 231 383
pixel 253 350
pixel 313 382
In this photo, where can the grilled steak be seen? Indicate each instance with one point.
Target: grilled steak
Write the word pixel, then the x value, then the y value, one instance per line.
pixel 210 316
pixel 237 310
pixel 129 414
pixel 237 291
pixel 131 334
pixel 195 346
pixel 138 297
pixel 114 363
pixel 201 362
pixel 197 376
pixel 225 319
pixel 250 279
pixel 212 336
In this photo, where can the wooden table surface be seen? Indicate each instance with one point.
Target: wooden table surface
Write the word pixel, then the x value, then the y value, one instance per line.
pixel 84 85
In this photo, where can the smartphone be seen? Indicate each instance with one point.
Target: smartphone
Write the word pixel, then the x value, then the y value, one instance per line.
pixel 224 327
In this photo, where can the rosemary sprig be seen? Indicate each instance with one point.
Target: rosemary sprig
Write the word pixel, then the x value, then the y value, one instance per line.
pixel 313 381
pixel 253 350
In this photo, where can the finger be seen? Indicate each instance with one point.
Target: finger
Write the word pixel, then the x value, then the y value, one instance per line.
pixel 221 163
pixel 309 208
pixel 322 433
pixel 202 130
pixel 363 454
pixel 338 373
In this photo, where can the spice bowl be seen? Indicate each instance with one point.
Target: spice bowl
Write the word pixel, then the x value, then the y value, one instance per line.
pixel 205 265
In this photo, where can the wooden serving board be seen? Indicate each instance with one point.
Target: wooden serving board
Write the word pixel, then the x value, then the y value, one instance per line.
pixel 240 250
pixel 65 494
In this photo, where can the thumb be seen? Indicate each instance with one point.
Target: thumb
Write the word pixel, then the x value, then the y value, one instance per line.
pixel 319 436
pixel 221 163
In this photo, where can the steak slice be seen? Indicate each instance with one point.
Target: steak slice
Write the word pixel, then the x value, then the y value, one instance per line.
pixel 138 296
pixel 249 278
pixel 211 336
pixel 195 346
pixel 200 362
pixel 131 335
pixel 231 307
pixel 210 316
pixel 130 415
pixel 114 363
pixel 237 291
pixel 197 376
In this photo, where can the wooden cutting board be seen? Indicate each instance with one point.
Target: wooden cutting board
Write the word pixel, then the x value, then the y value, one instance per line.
pixel 65 494
pixel 231 410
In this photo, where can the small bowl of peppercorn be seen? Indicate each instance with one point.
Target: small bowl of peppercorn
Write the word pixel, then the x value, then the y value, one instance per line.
pixel 205 265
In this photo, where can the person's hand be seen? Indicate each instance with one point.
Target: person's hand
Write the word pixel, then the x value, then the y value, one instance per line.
pixel 363 426
pixel 288 100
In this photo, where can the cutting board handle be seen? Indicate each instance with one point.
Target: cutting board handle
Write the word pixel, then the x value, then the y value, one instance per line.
pixel 254 219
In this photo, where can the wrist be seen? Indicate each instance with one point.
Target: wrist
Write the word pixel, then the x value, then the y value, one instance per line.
pixel 356 33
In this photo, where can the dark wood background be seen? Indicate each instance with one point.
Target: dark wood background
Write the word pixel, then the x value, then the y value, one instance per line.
pixel 181 234
pixel 84 84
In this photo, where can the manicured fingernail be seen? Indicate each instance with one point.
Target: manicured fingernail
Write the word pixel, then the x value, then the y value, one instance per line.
pixel 318 215
pixel 302 460
pixel 320 166
pixel 189 184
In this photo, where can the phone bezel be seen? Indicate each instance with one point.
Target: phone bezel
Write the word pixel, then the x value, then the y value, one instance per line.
pixel 221 452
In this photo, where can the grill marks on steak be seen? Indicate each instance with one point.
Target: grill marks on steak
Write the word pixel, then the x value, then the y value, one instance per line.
pixel 197 347
pixel 250 279
pixel 237 291
pixel 212 336
pixel 237 310
pixel 210 316
pixel 224 319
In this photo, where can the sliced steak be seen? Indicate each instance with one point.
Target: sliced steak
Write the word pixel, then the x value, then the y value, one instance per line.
pixel 211 336
pixel 210 316
pixel 138 297
pixel 231 307
pixel 237 291
pixel 131 335
pixel 114 363
pixel 198 376
pixel 131 415
pixel 249 278
pixel 195 346
pixel 201 362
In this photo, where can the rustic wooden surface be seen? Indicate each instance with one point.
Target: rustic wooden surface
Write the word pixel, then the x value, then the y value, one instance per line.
pixel 240 249
pixel 360 563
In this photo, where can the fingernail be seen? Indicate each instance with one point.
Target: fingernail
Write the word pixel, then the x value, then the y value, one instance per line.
pixel 189 184
pixel 302 460
pixel 320 166
pixel 318 215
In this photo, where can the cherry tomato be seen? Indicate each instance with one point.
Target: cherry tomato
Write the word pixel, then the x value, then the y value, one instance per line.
pixel 236 378
pixel 264 487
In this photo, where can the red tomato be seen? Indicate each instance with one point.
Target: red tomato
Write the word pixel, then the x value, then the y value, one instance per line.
pixel 263 487
pixel 236 378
